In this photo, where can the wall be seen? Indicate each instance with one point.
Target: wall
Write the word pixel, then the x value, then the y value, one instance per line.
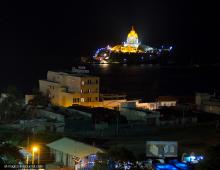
pixel 28 98
pixel 210 108
pixel 136 115
pixel 200 97
pixel 132 114
pixel 167 103
pixel 205 103
pixel 63 158
pixel 73 84
pixel 149 106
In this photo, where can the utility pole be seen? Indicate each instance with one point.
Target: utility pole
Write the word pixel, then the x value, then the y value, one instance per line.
pixel 217 124
pixel 117 123
pixel 183 116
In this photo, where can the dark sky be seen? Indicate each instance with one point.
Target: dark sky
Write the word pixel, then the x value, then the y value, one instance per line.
pixel 35 34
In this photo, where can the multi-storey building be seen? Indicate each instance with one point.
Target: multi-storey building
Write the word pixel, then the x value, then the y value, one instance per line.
pixel 66 89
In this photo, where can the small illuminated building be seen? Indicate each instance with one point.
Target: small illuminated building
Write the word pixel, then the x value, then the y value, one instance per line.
pixel 73 154
pixel 133 113
pixel 166 101
pixel 207 103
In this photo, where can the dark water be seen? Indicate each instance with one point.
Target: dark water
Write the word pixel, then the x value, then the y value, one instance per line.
pixel 147 82
pixel 140 81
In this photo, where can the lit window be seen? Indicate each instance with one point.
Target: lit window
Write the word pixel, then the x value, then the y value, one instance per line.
pixel 81 90
pixel 89 90
pixel 83 82
pixel 82 99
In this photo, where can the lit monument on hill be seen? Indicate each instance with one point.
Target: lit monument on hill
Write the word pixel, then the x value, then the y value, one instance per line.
pixel 130 50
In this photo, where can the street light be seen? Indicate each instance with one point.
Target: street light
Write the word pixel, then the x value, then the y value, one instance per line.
pixel 35 149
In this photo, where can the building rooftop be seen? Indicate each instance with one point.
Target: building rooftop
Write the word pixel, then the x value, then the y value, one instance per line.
pixel 68 113
pixel 166 98
pixel 69 73
pixel 73 147
pixel 50 81
pixel 141 110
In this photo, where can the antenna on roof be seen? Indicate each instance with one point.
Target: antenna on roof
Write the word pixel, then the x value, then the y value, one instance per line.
pixel 80 70
pixel 214 93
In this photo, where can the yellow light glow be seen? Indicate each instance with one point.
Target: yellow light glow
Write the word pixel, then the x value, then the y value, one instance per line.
pixel 131 45
pixel 132 34
pixel 35 149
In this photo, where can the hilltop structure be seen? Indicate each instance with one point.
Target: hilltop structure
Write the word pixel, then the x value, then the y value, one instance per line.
pixel 132 50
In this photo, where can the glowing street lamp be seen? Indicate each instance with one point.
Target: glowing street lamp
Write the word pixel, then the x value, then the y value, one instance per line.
pixel 35 149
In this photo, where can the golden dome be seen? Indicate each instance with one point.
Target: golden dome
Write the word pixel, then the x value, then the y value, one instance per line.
pixel 132 34
pixel 130 46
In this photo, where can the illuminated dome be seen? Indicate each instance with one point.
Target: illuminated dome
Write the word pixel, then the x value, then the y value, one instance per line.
pixel 130 46
pixel 132 39
pixel 130 50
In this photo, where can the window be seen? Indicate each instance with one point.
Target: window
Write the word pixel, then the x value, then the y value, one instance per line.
pixel 89 99
pixel 82 100
pixel 81 91
pixel 97 99
pixel 89 81
pixel 83 83
pixel 89 90
pixel 75 100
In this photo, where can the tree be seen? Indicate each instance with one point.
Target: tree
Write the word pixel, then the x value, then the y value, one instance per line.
pixel 13 91
pixel 9 154
pixel 10 108
pixel 11 104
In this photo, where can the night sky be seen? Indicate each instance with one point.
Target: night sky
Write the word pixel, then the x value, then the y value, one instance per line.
pixel 35 34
